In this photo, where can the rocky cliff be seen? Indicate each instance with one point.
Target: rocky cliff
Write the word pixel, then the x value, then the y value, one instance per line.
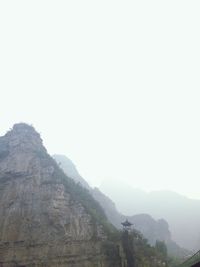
pixel 43 222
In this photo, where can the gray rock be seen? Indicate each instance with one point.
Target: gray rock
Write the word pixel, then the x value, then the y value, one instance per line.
pixel 40 223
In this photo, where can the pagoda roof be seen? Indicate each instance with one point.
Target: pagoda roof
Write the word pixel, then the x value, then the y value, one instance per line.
pixel 126 223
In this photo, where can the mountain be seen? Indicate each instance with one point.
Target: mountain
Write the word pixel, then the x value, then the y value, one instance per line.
pixel 46 219
pixel 106 203
pixel 152 229
pixel 180 212
pixel 70 170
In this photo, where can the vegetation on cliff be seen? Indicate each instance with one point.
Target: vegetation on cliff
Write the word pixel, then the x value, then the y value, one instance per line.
pixel 24 144
pixel 138 252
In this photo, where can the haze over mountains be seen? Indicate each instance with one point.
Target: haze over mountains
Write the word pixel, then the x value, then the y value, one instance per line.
pixel 181 213
pixel 152 229
pixel 114 86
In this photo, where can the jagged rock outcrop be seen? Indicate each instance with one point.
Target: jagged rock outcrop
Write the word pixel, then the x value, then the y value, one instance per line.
pixel 42 223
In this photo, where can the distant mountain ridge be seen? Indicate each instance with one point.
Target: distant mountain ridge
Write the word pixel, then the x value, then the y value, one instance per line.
pixel 181 213
pixel 70 169
pixel 151 229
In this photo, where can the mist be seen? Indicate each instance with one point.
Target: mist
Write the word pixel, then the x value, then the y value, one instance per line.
pixel 112 85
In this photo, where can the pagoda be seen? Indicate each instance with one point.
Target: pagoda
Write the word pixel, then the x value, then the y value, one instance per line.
pixel 127 225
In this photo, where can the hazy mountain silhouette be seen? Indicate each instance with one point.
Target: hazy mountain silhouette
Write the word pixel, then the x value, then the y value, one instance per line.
pixel 151 229
pixel 182 213
pixel 70 169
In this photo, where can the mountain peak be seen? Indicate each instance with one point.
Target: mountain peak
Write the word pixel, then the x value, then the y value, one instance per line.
pixel 21 126
pixel 22 137
pixel 19 148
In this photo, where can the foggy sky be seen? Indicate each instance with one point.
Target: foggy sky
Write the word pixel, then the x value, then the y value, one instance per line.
pixel 114 85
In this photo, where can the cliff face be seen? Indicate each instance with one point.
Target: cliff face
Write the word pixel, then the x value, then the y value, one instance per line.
pixel 41 224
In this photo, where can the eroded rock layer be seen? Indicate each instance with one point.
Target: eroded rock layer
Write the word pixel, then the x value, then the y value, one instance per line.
pixel 41 224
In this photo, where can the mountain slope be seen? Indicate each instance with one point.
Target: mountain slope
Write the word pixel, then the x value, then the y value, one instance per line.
pixel 70 169
pixel 45 218
pixel 151 229
pixel 48 220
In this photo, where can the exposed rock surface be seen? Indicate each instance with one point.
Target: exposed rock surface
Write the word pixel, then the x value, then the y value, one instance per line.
pixel 41 224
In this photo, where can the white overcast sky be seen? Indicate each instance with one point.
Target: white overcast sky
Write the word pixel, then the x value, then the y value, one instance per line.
pixel 114 85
